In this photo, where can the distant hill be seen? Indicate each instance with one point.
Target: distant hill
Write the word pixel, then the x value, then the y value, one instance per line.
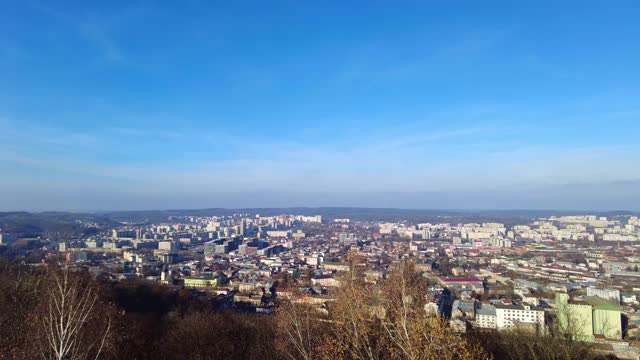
pixel 27 224
pixel 51 224
pixel 354 213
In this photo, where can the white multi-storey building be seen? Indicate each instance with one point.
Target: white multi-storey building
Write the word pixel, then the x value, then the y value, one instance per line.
pixel 486 317
pixel 619 237
pixel 278 233
pixel 609 294
pixel 167 245
pixel 309 219
pixel 499 242
pixel 509 317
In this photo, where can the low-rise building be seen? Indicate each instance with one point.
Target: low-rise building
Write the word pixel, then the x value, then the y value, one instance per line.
pixel 608 294
pixel 200 282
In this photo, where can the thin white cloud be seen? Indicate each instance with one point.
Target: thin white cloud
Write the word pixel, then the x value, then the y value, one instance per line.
pixel 371 162
pixel 97 35
pixel 92 30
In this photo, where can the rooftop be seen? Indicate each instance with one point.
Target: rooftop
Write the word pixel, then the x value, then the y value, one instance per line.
pixel 608 307
pixel 460 279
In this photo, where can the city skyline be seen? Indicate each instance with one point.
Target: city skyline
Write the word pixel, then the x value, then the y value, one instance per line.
pixel 156 106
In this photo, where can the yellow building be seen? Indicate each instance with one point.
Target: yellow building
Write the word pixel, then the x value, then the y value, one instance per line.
pixel 200 282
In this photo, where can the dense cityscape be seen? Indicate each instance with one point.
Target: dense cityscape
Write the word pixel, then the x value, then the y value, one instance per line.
pixel 480 276
pixel 319 180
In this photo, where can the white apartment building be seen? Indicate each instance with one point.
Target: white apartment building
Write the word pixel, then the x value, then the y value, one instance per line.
pixel 166 245
pixel 609 294
pixel 278 233
pixel 619 237
pixel 499 242
pixel 309 219
pixel 509 317
pixel 486 317
pixel 387 228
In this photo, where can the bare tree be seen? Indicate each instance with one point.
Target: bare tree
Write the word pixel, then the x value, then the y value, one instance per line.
pixel 18 298
pixel 70 319
pixel 409 331
pixel 373 321
pixel 201 335
pixel 355 314
pixel 296 325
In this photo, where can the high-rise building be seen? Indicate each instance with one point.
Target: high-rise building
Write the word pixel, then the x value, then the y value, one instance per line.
pixel 124 234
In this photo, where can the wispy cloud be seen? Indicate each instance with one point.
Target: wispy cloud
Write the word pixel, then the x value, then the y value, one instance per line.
pixel 406 158
pixel 92 29
pixel 98 35
pixel 373 62
pixel 145 132
pixel 549 69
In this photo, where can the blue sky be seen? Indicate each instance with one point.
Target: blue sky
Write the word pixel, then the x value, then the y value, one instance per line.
pixel 191 104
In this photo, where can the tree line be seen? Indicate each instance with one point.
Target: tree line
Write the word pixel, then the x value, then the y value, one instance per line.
pixel 55 312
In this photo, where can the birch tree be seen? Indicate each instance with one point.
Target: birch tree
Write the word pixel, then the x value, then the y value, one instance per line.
pixel 70 322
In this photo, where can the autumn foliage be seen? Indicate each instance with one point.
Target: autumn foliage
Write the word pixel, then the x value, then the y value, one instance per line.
pixel 373 321
pixel 361 319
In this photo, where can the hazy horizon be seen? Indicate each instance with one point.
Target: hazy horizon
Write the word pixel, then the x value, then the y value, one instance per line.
pixel 159 105
pixel 542 199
